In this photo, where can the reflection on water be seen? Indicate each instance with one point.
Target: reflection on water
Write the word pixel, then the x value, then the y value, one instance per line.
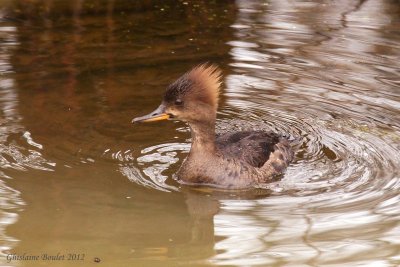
pixel 326 91
pixel 18 151
pixel 76 176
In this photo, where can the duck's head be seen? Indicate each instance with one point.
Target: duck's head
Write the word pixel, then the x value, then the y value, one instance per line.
pixel 191 98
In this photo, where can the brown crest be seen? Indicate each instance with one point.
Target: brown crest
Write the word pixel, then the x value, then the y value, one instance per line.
pixel 209 78
pixel 202 83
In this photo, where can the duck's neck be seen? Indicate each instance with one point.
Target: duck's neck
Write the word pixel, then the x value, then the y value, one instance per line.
pixel 203 137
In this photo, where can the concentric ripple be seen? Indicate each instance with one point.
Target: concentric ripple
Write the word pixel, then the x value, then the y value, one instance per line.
pixel 340 193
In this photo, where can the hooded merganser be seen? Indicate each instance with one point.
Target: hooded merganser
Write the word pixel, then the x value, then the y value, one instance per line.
pixel 234 160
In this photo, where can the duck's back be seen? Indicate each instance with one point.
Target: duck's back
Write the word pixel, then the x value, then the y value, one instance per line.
pixel 266 151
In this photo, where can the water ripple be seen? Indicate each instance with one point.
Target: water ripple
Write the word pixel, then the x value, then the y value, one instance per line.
pixel 148 166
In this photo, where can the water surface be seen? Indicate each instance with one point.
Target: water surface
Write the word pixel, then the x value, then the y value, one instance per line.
pixel 78 178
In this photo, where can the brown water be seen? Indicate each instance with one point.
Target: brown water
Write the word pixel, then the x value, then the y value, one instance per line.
pixel 78 178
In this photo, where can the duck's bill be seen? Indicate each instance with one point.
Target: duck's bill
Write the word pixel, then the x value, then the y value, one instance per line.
pixel 150 118
pixel 157 115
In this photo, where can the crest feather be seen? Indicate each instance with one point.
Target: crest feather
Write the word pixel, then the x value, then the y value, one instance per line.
pixel 209 77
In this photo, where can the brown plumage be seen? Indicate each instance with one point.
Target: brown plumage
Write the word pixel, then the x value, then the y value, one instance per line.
pixel 203 82
pixel 233 160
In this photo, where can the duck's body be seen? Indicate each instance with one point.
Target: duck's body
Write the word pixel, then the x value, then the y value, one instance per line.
pixel 238 160
pixel 234 160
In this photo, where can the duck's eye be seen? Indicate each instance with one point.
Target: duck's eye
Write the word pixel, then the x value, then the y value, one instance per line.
pixel 178 102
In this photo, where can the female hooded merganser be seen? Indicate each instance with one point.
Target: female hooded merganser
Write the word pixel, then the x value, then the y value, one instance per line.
pixel 236 160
